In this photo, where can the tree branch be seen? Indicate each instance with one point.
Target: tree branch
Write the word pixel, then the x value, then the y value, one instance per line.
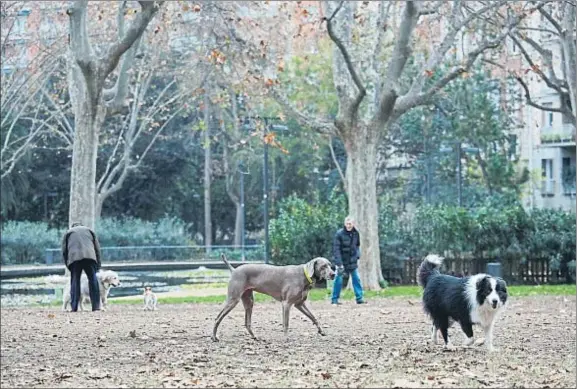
pixel 303 120
pixel 356 79
pixel 137 27
pixel 431 10
pixel 551 20
pixel 400 55
pixel 448 41
pixel 552 82
pixel 531 102
pixel 409 100
pixel 79 42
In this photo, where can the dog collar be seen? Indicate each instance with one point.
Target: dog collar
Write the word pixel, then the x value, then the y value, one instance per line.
pixel 309 279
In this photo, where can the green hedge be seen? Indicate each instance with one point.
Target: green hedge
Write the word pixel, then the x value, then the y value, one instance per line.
pixel 303 231
pixel 493 230
pixel 26 242
pixel 496 229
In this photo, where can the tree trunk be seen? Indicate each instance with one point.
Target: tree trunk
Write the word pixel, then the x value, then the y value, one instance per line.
pixel 238 225
pixel 87 122
pixel 361 147
pixel 207 176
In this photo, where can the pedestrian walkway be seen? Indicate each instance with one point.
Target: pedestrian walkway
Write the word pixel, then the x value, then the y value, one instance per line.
pixel 17 271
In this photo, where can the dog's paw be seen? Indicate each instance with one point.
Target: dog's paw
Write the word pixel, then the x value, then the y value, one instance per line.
pixel 468 341
pixel 480 342
pixel 449 347
pixel 214 339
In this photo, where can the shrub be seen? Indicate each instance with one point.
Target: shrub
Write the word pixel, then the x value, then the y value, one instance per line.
pixel 135 232
pixel 303 231
pixel 25 242
pixel 494 229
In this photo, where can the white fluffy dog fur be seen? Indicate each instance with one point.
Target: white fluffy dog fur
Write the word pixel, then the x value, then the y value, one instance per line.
pixel 106 280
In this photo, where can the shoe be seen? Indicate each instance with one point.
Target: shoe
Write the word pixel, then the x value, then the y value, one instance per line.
pixel 361 302
pixel 336 303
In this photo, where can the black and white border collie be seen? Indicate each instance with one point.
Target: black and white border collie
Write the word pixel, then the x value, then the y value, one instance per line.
pixel 470 300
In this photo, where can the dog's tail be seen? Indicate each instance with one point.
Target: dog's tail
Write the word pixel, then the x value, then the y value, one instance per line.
pixel 428 267
pixel 223 257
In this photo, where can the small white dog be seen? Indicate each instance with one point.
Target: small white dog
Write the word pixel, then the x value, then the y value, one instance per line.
pixel 150 299
pixel 106 280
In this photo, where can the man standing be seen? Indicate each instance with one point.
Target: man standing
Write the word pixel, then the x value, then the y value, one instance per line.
pixel 346 251
pixel 81 251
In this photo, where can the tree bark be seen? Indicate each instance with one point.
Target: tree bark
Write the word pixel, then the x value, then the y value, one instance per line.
pixel 361 174
pixel 100 197
pixel 86 76
pixel 88 119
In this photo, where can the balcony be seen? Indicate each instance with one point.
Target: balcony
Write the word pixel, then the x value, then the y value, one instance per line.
pixel 557 136
pixel 569 189
pixel 548 188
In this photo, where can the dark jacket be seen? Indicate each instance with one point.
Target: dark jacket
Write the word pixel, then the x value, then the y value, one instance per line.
pixel 79 243
pixel 346 248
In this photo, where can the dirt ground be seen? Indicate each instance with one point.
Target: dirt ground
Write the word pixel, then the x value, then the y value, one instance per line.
pixel 382 344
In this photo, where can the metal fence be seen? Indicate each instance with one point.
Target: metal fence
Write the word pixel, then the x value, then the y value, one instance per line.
pixel 170 253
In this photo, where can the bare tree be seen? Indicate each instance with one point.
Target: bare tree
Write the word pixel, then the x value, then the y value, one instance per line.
pixel 91 100
pixel 375 86
pixel 23 87
pixel 142 120
pixel 537 45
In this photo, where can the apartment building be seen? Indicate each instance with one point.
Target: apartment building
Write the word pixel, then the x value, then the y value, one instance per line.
pixel 548 138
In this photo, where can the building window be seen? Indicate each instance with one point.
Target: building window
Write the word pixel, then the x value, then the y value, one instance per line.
pixel 568 176
pixel 513 147
pixel 547 182
pixel 20 22
pixel 547 117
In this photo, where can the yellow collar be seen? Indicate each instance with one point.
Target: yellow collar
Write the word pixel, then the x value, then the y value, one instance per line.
pixel 307 276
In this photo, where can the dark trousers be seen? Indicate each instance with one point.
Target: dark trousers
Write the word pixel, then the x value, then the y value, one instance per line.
pixel 90 268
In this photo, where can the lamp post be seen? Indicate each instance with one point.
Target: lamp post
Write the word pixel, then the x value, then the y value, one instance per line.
pixel 267 127
pixel 46 195
pixel 265 192
pixel 242 208
pixel 459 150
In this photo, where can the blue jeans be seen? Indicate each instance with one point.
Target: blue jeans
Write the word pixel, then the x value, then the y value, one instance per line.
pixel 90 268
pixel 357 287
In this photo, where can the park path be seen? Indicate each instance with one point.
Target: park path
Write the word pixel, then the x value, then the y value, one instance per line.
pixel 382 344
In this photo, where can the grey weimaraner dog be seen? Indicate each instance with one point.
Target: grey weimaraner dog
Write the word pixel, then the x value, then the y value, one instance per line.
pixel 288 284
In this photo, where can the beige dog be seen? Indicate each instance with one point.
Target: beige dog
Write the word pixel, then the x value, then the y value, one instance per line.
pixel 106 280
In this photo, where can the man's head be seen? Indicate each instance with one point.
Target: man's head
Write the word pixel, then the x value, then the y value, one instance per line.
pixel 349 223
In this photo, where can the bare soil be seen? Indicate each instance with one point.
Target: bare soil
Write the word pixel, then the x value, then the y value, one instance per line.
pixel 382 344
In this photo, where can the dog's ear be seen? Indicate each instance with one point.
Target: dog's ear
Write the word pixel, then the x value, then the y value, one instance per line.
pixel 310 267
pixel 501 283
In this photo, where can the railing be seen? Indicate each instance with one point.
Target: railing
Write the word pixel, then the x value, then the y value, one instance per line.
pixel 547 187
pixel 560 134
pixel 170 253
pixel 569 188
